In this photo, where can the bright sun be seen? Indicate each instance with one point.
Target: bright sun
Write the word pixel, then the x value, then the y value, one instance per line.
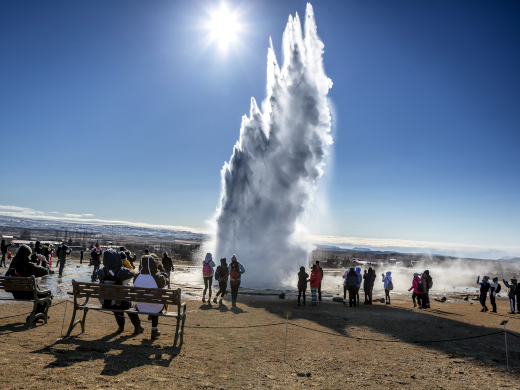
pixel 223 26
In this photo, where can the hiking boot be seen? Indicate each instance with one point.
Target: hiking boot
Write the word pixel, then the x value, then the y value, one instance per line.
pixel 138 330
pixel 155 333
pixel 120 330
pixel 415 305
pixel 486 309
pixel 215 300
pixel 233 303
pixel 220 301
pixel 344 301
pixel 483 309
pixel 203 299
pixel 511 312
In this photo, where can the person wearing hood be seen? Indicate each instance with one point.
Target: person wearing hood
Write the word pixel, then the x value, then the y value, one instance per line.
pixel 114 272
pixel 207 273
pixel 416 287
pixel 22 266
pixel 168 266
pixel 95 260
pixel 352 281
pixel 38 248
pixel 387 280
pixel 427 284
pixel 360 279
pixel 368 285
pixel 221 275
pixel 235 270
pixel 495 288
pixel 484 288
pixel 151 274
pixel 302 284
pixel 4 248
pixel 315 282
pixel 512 293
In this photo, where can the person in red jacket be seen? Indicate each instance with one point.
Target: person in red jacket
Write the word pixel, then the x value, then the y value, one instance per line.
pixel 315 282
pixel 320 275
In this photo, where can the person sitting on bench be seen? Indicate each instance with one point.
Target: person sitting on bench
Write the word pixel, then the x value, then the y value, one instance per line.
pixel 114 272
pixel 22 266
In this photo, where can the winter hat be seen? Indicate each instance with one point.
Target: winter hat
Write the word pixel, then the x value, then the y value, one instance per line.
pixel 415 275
pixel 427 272
pixel 495 279
pixel 485 278
pixel 234 258
pixel 146 251
pixel 208 258
pixel 24 251
pixel 122 249
pixel 514 281
pixel 223 261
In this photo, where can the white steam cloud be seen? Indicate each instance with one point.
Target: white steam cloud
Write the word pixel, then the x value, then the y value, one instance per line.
pixel 277 161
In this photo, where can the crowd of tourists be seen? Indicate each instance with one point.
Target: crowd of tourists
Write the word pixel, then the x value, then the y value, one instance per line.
pixel 493 288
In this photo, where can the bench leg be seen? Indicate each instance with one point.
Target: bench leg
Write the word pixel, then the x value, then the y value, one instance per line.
pixel 180 332
pixel 33 314
pixel 74 323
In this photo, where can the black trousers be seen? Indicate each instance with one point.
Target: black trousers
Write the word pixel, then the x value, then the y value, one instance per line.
pixel 387 295
pixel 483 296
pixel 234 292
pixel 222 289
pixel 493 303
pixel 208 281
pixel 418 297
pixel 120 317
pixel 301 291
pixel 352 296
pixel 319 291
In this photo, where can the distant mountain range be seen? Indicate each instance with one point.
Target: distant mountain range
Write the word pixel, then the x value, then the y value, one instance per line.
pixel 116 229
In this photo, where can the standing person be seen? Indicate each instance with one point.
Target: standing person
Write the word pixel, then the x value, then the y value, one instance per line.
pixel 368 285
pixel 62 257
pixel 46 251
pixel 81 256
pixel 360 279
pixel 387 280
pixel 484 288
pixel 95 256
pixel 345 288
pixel 4 248
pixel 512 293
pixel 493 291
pixel 168 266
pixel 352 281
pixel 22 266
pixel 38 248
pixel 417 290
pixel 151 274
pixel 235 270
pixel 320 275
pixel 221 275
pixel 207 273
pixel 427 284
pixel 315 282
pixel 302 284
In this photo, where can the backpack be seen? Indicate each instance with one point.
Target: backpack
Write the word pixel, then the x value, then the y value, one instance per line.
pixel 420 287
pixel 218 274
pixel 234 274
pixel 390 285
pixel 499 288
pixel 112 259
pixel 429 282
pixel 207 271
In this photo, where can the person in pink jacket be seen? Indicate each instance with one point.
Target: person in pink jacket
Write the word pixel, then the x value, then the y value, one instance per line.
pixel 417 287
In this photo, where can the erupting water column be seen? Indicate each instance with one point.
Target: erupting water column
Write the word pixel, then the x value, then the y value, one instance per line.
pixel 277 162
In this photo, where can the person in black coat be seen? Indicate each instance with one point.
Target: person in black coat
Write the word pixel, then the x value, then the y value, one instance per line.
pixel 352 280
pixel 168 266
pixel 368 284
pixel 21 266
pixel 302 284
pixel 4 248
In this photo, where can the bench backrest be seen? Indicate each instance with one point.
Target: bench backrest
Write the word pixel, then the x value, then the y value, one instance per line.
pixel 16 283
pixel 126 293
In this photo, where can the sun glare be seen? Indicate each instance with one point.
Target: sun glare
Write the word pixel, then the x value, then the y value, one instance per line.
pixel 223 26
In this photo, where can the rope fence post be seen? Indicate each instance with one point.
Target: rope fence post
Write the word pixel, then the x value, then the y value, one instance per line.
pixel 286 314
pixel 505 338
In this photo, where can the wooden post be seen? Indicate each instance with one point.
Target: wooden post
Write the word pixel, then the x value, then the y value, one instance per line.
pixel 286 314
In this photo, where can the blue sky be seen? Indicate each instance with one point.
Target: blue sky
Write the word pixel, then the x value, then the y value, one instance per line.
pixel 126 111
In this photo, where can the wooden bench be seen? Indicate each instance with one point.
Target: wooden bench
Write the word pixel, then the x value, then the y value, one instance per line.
pixel 16 283
pixel 126 293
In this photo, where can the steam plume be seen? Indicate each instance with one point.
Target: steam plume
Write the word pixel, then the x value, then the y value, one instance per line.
pixel 277 160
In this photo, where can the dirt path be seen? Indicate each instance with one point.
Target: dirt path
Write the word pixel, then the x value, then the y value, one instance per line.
pixel 376 347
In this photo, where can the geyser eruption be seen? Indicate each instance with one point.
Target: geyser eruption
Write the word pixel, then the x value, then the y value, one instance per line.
pixel 277 161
